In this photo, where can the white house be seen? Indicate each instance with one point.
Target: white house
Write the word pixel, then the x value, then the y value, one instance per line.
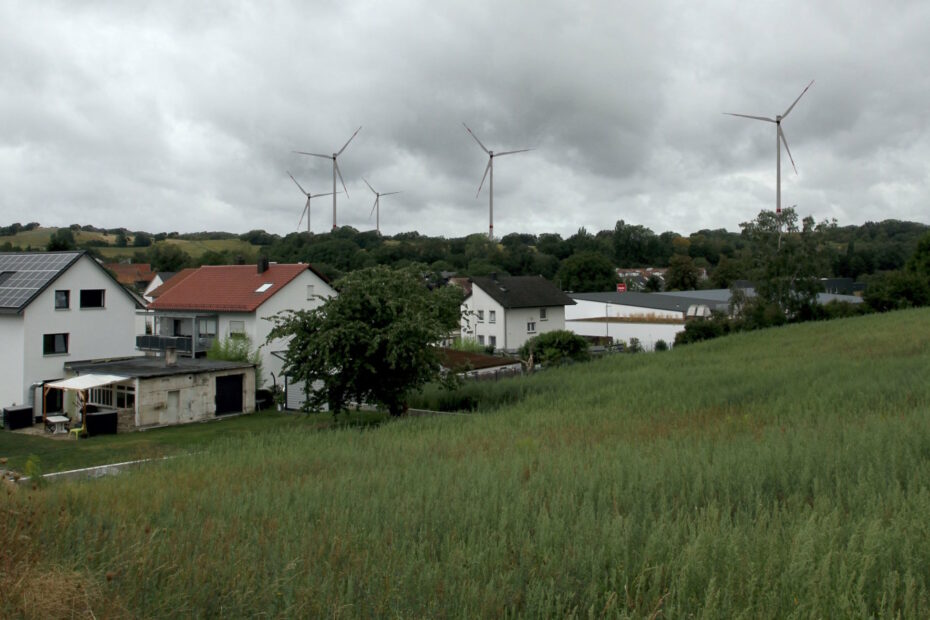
pixel 504 312
pixel 222 301
pixel 57 307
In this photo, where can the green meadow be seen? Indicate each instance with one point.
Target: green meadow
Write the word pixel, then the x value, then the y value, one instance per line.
pixel 775 474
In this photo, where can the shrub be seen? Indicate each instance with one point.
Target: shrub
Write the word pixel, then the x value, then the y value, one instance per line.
pixel 661 345
pixel 556 347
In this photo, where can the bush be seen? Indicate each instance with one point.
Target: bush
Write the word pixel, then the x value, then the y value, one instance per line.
pixel 661 345
pixel 556 347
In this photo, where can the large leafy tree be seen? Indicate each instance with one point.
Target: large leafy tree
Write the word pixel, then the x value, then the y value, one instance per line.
pixel 787 260
pixel 587 272
pixel 374 342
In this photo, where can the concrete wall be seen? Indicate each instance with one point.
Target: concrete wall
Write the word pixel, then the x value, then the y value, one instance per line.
pixel 94 333
pixel 155 404
pixel 12 385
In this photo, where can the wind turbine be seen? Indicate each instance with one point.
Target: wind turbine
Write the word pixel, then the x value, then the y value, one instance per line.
pixel 335 170
pixel 779 140
pixel 490 169
pixel 306 206
pixel 376 208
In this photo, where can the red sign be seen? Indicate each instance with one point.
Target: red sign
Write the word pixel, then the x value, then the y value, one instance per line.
pixel 621 287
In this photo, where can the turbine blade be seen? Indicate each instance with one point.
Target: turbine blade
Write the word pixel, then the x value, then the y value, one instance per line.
pixel 488 167
pixel 476 139
pixel 374 205
pixel 390 193
pixel 758 118
pixel 791 107
pixel 512 152
pixel 314 154
pixel 784 141
pixel 298 184
pixel 339 152
pixel 339 172
pixel 369 186
pixel 326 194
pixel 302 213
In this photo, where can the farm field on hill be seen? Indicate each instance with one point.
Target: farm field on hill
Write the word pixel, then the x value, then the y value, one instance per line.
pixel 780 473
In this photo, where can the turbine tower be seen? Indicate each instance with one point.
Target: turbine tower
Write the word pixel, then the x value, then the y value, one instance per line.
pixel 779 140
pixel 376 208
pixel 306 206
pixel 335 170
pixel 490 169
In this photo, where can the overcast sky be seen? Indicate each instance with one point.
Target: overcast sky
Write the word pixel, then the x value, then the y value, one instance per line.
pixel 160 116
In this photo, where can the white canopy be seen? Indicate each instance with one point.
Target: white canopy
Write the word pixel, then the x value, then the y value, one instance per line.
pixel 85 382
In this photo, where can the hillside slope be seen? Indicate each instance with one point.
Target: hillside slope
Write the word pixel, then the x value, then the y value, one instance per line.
pixel 770 474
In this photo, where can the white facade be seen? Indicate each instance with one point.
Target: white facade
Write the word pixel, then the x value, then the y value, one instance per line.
pixel 306 291
pixel 486 321
pixel 648 325
pixel 90 332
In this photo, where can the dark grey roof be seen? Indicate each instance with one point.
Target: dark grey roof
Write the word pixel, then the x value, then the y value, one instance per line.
pixel 144 367
pixel 522 291
pixel 716 299
pixel 23 275
pixel 656 301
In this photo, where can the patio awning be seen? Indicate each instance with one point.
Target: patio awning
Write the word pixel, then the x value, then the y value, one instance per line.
pixel 85 382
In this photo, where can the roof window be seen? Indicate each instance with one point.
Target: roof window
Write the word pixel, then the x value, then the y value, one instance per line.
pixel 264 287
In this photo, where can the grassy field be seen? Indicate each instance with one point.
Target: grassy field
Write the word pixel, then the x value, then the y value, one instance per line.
pixel 781 473
pixel 38 238
pixel 63 454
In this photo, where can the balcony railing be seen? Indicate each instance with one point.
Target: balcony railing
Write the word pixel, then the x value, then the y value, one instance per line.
pixel 182 344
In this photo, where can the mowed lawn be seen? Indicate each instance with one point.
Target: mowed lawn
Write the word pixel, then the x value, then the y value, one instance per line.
pixel 782 473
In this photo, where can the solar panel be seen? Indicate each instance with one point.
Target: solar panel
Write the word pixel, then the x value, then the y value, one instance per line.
pixel 28 273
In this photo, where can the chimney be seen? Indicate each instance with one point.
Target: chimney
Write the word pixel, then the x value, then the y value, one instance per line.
pixel 262 264
pixel 171 356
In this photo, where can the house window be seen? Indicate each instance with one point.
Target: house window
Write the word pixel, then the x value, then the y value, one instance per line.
pixel 207 327
pixel 480 339
pixel 54 344
pixel 237 329
pixel 125 396
pixel 62 300
pixel 481 316
pixel 492 316
pixel 92 298
pixel 100 396
pixel 531 327
pixel 492 340
pixel 542 314
pixel 309 292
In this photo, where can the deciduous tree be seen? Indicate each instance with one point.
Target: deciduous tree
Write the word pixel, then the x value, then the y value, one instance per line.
pixel 374 342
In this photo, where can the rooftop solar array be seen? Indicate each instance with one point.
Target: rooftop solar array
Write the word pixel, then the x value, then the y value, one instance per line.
pixel 25 274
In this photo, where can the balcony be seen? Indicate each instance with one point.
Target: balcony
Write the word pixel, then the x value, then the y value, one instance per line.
pixel 182 344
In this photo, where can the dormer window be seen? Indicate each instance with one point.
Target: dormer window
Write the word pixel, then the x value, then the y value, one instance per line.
pixel 264 287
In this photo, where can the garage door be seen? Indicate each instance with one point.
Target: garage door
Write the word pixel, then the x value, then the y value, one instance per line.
pixel 229 394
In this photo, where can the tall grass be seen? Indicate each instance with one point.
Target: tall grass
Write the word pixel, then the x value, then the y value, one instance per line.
pixel 783 473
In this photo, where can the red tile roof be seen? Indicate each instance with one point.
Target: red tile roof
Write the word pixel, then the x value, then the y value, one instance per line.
pixel 172 282
pixel 129 274
pixel 225 288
